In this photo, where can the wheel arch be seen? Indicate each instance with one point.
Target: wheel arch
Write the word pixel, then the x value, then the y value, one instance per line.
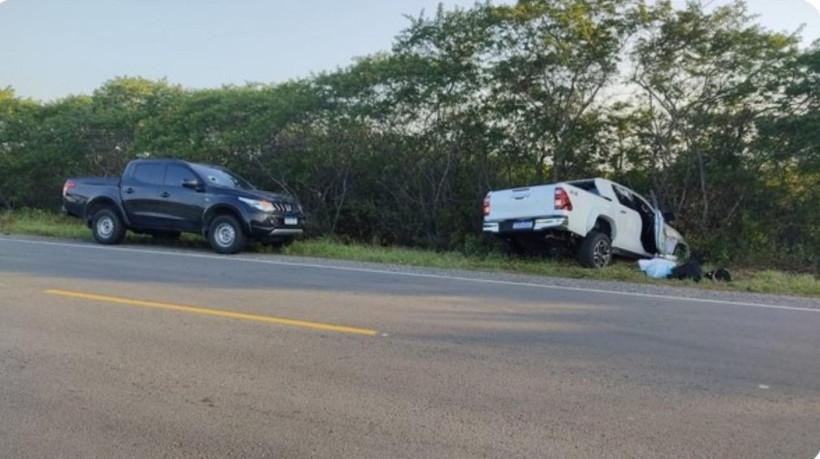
pixel 102 202
pixel 602 224
pixel 223 209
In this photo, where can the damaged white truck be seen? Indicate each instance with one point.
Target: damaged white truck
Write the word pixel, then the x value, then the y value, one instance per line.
pixel 595 218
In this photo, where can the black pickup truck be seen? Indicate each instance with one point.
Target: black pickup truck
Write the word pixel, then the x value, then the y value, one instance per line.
pixel 164 197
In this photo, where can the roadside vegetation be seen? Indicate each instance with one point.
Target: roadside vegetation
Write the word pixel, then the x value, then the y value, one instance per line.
pixel 480 256
pixel 715 114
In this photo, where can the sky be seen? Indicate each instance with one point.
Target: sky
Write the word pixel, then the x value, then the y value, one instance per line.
pixel 51 49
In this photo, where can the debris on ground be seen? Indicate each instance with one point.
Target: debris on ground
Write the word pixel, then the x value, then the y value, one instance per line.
pixel 689 270
pixel 661 268
pixel 657 268
pixel 720 274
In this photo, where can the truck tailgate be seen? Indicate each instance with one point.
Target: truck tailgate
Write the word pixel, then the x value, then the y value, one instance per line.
pixel 522 203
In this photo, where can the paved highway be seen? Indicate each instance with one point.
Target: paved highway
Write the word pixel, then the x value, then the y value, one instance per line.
pixel 160 352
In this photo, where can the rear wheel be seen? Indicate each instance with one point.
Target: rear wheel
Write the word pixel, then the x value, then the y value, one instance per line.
pixel 595 250
pixel 225 235
pixel 107 227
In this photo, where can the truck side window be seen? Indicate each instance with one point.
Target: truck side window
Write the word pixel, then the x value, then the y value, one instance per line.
pixel 175 174
pixel 624 197
pixel 150 174
pixel 641 205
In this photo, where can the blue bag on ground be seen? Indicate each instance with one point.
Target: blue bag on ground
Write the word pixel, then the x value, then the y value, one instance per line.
pixel 656 268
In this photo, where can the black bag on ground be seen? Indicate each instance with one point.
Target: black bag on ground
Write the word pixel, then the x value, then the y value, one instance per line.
pixel 720 274
pixel 689 270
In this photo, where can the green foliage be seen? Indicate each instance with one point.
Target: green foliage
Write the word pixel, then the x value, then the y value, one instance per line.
pixel 715 114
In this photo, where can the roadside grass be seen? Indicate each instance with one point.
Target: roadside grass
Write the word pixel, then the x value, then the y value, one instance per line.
pixel 37 222
pixel 42 223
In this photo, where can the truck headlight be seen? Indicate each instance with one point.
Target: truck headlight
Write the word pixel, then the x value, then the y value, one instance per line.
pixel 264 206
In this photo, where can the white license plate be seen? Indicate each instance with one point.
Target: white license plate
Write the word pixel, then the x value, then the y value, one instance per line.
pixel 522 225
pixel 291 221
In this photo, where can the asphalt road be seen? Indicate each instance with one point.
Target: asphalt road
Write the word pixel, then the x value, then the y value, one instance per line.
pixel 159 352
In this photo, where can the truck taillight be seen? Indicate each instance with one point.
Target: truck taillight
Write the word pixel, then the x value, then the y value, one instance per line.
pixel 68 185
pixel 562 201
pixel 486 206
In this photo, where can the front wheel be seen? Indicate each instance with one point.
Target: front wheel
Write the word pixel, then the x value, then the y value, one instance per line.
pixel 107 227
pixel 225 235
pixel 595 250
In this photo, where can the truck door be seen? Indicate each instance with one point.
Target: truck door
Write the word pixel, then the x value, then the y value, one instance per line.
pixel 181 208
pixel 628 222
pixel 666 244
pixel 138 191
pixel 649 222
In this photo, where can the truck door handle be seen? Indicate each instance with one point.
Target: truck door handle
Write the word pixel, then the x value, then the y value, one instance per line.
pixel 165 194
pixel 129 190
pixel 623 211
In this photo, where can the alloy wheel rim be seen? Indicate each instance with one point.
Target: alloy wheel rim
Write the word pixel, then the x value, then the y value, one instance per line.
pixel 601 253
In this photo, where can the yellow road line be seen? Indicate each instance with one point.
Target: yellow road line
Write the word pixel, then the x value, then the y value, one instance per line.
pixel 215 312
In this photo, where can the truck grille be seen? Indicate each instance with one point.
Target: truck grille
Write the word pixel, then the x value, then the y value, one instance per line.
pixel 284 207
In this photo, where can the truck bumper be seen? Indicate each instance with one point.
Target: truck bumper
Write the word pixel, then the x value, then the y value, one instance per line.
pixel 286 232
pixel 525 225
pixel 265 227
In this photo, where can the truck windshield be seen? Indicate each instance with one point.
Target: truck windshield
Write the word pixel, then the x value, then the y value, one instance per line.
pixel 221 177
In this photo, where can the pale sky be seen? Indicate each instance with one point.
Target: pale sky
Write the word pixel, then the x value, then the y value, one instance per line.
pixel 53 48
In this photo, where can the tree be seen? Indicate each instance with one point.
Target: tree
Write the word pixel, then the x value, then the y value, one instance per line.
pixel 554 61
pixel 704 81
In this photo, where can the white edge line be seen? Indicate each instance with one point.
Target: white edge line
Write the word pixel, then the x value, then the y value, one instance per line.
pixel 417 275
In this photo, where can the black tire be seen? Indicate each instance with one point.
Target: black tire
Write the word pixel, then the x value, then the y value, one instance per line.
pixel 225 235
pixel 595 250
pixel 107 227
pixel 167 236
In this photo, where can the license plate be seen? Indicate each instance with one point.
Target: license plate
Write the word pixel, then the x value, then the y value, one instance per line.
pixel 291 221
pixel 522 225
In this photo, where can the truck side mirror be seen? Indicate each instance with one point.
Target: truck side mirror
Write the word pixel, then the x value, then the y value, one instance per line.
pixel 193 184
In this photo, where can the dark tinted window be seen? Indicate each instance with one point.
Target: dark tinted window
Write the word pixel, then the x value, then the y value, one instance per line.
pixel 625 197
pixel 176 173
pixel 588 185
pixel 150 174
pixel 218 176
pixel 641 204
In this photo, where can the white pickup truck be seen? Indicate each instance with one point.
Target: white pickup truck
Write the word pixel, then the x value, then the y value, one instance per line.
pixel 595 217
